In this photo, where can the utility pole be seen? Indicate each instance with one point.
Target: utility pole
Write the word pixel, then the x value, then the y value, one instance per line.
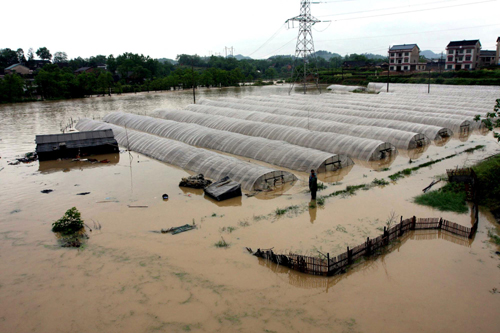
pixel 388 68
pixel 304 50
pixel 429 85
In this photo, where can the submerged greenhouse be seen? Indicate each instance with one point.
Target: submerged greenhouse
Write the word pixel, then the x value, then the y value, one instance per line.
pixel 234 109
pixel 213 165
pixel 278 153
pixel 358 148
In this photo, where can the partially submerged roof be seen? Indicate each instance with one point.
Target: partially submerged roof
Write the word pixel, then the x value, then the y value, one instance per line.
pixel 404 47
pixel 464 43
pixel 74 136
pixel 13 66
pixel 75 140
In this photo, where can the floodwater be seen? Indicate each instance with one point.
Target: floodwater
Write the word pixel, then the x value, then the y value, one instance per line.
pixel 129 279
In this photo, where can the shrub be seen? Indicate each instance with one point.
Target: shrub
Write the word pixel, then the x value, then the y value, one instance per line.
pixel 70 223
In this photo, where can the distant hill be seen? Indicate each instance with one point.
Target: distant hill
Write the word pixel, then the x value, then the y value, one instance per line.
pixel 164 60
pixel 326 55
pixel 241 57
pixel 374 56
pixel 429 54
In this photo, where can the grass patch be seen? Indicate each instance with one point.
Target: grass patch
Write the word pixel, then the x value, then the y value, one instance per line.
pixel 320 201
pixel 488 174
pixel 494 237
pixel 380 182
pixel 283 211
pixel 450 197
pixel 222 243
pixel 228 229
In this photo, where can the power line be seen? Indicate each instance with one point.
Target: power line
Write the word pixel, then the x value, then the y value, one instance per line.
pixel 389 8
pixel 414 11
pixel 267 41
pixel 407 33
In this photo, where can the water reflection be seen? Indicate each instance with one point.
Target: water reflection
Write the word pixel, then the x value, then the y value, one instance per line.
pixel 46 167
pixel 377 165
pixel 313 207
pixel 278 191
pixel 334 176
pixel 414 154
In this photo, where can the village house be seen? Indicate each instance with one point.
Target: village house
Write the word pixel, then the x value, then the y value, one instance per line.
pixel 463 54
pixel 19 69
pixel 405 58
pixel 487 58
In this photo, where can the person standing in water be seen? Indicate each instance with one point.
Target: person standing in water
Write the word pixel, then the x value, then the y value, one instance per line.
pixel 313 184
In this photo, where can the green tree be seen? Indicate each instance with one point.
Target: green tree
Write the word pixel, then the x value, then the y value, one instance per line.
pixel 60 57
pixel 271 73
pixel 7 57
pixel 44 53
pixel 492 120
pixel 11 88
pixel 20 56
pixel 105 82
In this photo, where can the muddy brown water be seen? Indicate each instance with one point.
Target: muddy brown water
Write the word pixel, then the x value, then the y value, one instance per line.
pixel 129 279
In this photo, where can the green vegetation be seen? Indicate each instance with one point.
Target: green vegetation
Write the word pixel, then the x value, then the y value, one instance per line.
pixel 70 223
pixel 283 211
pixel 494 237
pixel 221 243
pixel 488 174
pixel 450 197
pixel 492 119
pixel 380 182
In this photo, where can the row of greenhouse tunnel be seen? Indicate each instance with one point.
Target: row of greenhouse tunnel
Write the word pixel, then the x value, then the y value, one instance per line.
pixel 271 137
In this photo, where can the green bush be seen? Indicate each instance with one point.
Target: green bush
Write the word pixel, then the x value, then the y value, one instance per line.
pixel 70 223
pixel 450 197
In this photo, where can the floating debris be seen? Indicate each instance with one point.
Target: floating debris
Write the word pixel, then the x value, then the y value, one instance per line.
pixel 165 197
pixel 224 189
pixel 83 193
pixel 178 230
pixel 47 191
pixel 131 206
pixel 434 182
pixel 197 181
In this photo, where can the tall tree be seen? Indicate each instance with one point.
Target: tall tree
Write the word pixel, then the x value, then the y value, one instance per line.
pixel 20 56
pixel 44 53
pixel 60 57
pixel 7 57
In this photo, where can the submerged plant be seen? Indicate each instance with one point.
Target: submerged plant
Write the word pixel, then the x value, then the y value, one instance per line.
pixel 221 243
pixel 70 223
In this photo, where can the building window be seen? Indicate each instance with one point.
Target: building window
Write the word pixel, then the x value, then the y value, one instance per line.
pixel 460 58
pixel 407 60
pixel 392 60
pixel 467 58
pixel 460 51
pixel 449 66
pixel 407 53
pixel 450 51
pixel 450 58
pixel 467 66
pixel 468 51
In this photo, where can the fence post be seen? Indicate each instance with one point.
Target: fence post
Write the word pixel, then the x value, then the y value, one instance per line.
pixel 349 256
pixel 327 263
pixel 368 247
pixel 386 236
pixel 413 223
pixel 401 227
pixel 440 223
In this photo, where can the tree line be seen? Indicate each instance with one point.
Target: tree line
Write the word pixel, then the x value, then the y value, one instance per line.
pixel 58 78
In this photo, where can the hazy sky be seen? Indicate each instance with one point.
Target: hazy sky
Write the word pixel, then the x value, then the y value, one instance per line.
pixel 167 28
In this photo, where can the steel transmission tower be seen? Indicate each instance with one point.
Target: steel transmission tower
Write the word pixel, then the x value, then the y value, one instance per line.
pixel 304 51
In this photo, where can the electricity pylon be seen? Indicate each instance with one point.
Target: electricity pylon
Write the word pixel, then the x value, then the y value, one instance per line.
pixel 304 51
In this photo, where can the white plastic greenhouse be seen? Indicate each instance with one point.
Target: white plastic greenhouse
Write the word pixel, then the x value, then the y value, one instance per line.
pixel 437 134
pixel 278 153
pixel 456 125
pixel 236 109
pixel 213 165
pixel 356 148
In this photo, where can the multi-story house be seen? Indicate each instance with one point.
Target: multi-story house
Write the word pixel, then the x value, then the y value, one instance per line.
pixel 487 58
pixel 404 57
pixel 463 54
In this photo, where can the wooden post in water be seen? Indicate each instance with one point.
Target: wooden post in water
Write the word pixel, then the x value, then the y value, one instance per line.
pixel 440 223
pixel 327 263
pixel 413 223
pixel 368 251
pixel 386 236
pixel 349 256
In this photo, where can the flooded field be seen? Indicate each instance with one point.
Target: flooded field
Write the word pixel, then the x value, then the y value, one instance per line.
pixel 130 279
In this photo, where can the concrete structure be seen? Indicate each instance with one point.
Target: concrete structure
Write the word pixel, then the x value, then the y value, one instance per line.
pixel 497 59
pixel 19 69
pixel 404 57
pixel 463 54
pixel 487 58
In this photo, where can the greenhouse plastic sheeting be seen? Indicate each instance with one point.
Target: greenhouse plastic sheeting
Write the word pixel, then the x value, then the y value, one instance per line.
pixel 432 132
pixel 361 149
pixel 208 163
pixel 235 108
pixel 454 124
pixel 279 153
pixel 436 89
pixel 387 105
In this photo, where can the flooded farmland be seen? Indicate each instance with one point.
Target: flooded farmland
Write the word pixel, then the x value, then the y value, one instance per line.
pixel 130 279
